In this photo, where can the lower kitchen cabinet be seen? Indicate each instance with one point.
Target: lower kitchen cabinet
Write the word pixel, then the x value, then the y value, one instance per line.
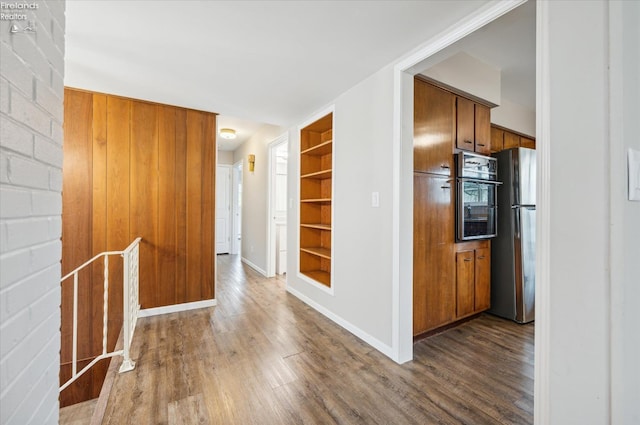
pixel 465 284
pixel 473 279
pixel 482 290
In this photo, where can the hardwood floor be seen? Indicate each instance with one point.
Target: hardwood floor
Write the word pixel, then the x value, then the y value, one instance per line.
pixel 263 357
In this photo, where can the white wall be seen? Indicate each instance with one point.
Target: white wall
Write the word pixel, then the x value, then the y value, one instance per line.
pixel 515 117
pixel 225 157
pixel 624 25
pixel 31 113
pixel 254 196
pixel 593 324
pixel 362 149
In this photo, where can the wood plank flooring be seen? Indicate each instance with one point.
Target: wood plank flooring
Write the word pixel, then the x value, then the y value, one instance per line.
pixel 263 357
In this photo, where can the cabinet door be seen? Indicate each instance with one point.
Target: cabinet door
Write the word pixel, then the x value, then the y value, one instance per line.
pixel 465 128
pixel 434 292
pixel 497 139
pixel 465 284
pixel 482 129
pixel 432 129
pixel 525 142
pixel 482 279
pixel 511 140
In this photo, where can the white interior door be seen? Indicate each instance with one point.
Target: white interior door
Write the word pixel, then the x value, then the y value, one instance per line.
pixel 223 208
pixel 236 208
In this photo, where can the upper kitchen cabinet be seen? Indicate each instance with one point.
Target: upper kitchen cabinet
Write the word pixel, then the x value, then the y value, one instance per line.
pixel 503 138
pixel 473 126
pixel 434 111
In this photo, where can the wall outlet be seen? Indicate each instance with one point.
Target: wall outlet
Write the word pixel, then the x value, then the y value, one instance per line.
pixel 375 199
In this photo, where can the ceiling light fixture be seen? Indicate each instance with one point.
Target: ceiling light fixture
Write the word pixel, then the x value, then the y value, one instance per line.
pixel 227 133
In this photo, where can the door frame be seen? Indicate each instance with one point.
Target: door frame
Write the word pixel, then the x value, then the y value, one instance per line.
pixel 271 201
pixel 229 170
pixel 236 208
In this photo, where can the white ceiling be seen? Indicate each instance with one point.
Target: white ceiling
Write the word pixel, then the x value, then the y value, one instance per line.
pixel 263 61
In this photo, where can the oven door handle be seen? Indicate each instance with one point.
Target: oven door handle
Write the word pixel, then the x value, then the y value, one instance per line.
pixel 467 179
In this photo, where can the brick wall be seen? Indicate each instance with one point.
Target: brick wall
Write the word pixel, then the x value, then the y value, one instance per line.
pixel 31 94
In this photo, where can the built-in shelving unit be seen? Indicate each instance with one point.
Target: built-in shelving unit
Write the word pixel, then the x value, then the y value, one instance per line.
pixel 316 176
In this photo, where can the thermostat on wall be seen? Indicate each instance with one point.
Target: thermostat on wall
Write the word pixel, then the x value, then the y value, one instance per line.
pixel 634 175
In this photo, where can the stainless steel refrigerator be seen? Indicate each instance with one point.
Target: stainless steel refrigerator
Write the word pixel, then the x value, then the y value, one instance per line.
pixel 513 251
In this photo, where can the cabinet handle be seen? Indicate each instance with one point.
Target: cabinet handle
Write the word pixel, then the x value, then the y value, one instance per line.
pixel 466 260
pixel 444 166
pixel 481 258
pixel 479 144
pixel 468 141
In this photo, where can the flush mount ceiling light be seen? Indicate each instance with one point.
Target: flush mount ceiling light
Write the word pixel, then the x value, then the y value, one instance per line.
pixel 227 133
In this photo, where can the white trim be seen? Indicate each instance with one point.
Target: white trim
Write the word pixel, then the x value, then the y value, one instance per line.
pixel 271 233
pixel 234 249
pixel 176 308
pixel 228 169
pixel 253 266
pixel 542 344
pixel 331 109
pixel 372 341
pixel 402 243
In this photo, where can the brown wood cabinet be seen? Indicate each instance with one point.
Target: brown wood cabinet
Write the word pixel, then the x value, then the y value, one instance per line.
pixel 316 174
pixel 434 291
pixel 473 126
pixel 482 290
pixel 433 125
pixel 465 284
pixel 502 138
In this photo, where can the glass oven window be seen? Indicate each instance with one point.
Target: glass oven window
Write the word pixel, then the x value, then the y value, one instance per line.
pixel 478 209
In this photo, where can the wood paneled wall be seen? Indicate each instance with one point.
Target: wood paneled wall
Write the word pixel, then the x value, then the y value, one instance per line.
pixel 133 168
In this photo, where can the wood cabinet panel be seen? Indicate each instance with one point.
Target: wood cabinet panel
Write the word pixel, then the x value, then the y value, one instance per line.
pixel 497 139
pixel 433 129
pixel 465 285
pixel 208 259
pixel 433 258
pixel 511 140
pixel 526 142
pixel 482 299
pixel 181 205
pixel 465 127
pixel 482 129
pixel 195 140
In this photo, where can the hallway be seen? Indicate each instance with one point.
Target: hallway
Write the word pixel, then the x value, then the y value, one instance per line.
pixel 261 356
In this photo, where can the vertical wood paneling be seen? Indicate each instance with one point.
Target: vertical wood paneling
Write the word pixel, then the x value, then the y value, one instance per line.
pixel 143 212
pixel 181 205
pixel 99 233
pixel 167 241
pixel 208 206
pixel 76 228
pixel 133 168
pixel 195 141
pixel 118 114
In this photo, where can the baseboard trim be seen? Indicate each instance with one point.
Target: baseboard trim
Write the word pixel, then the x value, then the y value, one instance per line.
pixel 253 266
pixel 147 312
pixel 372 341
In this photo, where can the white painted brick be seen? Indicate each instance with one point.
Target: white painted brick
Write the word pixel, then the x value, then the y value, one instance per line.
pixel 26 48
pixel 58 34
pixel 28 173
pixel 56 82
pixel 26 232
pixel 47 152
pixel 15 266
pixel 48 99
pixel 52 52
pixel 14 202
pixel 57 132
pixel 15 70
pixel 43 411
pixel 4 167
pixel 4 96
pixel 56 8
pixel 20 295
pixel 55 179
pixel 55 227
pixel 16 407
pixel 45 203
pixel 23 110
pixel 15 137
pixel 14 362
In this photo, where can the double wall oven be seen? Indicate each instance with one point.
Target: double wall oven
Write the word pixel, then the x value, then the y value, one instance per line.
pixel 476 206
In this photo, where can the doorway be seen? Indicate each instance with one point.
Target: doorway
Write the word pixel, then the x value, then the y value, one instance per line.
pixel 277 218
pixel 236 208
pixel 223 209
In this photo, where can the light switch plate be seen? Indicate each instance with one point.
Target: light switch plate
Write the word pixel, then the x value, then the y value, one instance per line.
pixel 634 175
pixel 375 199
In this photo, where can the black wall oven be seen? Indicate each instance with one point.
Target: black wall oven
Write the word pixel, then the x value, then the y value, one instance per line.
pixel 476 207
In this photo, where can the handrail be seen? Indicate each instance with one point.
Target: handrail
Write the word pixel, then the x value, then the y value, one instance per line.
pixel 131 307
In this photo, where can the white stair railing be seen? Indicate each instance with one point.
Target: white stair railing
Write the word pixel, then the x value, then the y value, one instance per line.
pixel 131 306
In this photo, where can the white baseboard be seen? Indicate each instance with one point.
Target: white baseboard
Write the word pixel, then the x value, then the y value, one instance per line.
pixel 253 266
pixel 372 341
pixel 147 312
